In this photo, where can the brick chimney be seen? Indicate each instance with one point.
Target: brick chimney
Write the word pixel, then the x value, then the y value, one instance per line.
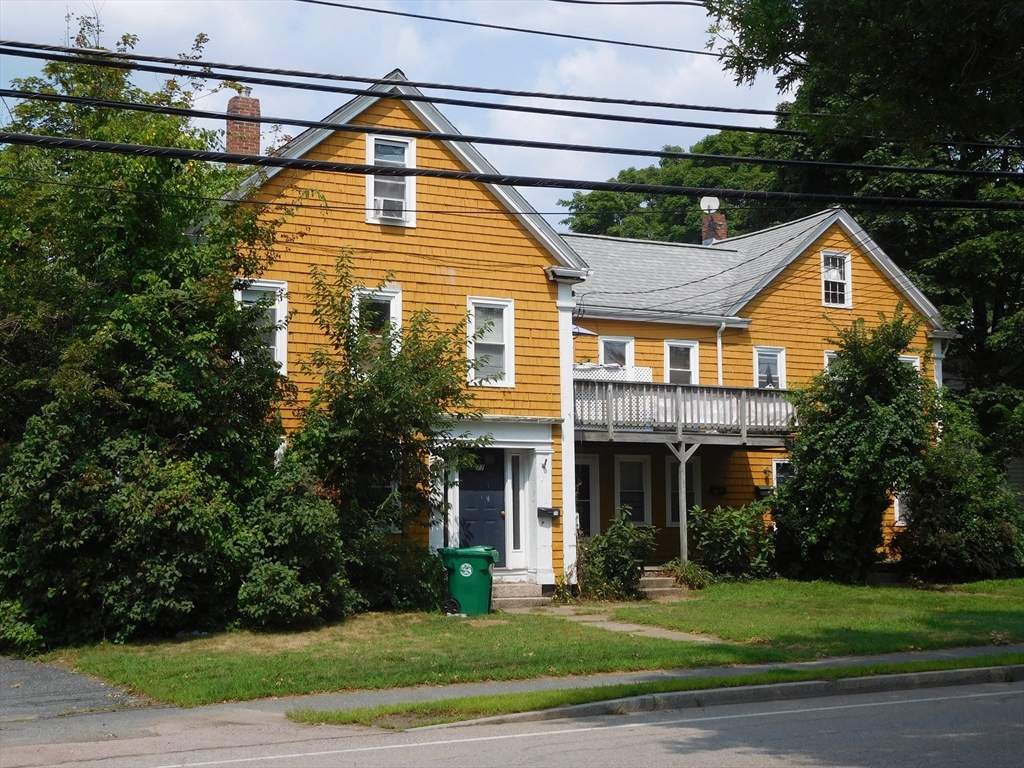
pixel 713 228
pixel 243 137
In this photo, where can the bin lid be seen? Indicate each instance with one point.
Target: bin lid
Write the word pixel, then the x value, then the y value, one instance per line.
pixel 480 551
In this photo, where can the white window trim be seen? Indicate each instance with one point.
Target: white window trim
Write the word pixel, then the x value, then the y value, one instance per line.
pixel 912 360
pixel 390 293
pixel 630 360
pixel 775 470
pixel 898 518
pixel 670 471
pixel 830 355
pixel 848 304
pixel 594 462
pixel 409 220
pixel 646 461
pixel 694 358
pixel 508 305
pixel 280 287
pixel 782 364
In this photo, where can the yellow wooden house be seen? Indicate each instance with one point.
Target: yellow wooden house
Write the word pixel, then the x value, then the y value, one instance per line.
pixel 458 248
pixel 684 351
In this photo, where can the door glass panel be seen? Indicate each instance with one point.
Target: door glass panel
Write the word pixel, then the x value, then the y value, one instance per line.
pixel 632 493
pixel 517 486
pixel 583 499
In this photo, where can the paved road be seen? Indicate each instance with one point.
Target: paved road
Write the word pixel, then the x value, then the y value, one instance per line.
pixel 956 726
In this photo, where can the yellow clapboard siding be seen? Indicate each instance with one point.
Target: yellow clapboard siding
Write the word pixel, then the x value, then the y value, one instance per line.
pixel 465 243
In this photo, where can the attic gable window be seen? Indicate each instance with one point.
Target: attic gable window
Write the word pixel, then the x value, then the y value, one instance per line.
pixel 835 279
pixel 492 341
pixel 391 199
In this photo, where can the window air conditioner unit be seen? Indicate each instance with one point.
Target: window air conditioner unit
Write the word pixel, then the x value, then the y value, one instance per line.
pixel 386 208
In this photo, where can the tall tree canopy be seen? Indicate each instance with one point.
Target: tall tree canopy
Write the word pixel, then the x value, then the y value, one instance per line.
pixel 908 69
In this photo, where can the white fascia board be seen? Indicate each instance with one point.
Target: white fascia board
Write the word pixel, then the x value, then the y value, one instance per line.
pixel 874 252
pixel 672 318
pixel 567 275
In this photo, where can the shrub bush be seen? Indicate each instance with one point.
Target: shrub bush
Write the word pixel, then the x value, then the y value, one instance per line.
pixel 611 564
pixel 733 541
pixel 690 574
pixel 964 522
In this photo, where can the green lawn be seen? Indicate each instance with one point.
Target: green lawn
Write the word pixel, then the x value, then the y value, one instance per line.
pixel 763 622
pixel 827 619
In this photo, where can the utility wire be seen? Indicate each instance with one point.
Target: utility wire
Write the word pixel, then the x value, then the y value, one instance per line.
pixel 181 70
pixel 502 28
pixel 203 73
pixel 139 150
pixel 631 2
pixel 470 139
pixel 99 52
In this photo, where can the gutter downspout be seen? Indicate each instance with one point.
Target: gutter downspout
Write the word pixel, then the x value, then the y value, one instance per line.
pixel 718 341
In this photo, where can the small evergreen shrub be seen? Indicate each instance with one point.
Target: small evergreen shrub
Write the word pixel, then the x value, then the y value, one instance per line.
pixel 611 564
pixel 733 541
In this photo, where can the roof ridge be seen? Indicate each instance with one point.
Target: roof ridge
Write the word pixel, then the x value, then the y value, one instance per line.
pixel 822 214
pixel 642 240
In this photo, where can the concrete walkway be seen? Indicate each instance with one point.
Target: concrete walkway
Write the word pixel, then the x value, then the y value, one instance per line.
pixel 602 620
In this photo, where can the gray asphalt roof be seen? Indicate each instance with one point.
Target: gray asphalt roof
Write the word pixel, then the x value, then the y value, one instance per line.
pixel 678 277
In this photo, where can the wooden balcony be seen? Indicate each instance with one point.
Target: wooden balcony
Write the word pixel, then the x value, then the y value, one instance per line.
pixel 647 412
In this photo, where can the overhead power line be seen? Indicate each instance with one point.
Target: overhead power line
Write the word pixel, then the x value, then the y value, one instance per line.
pixel 693 3
pixel 178 61
pixel 200 71
pixel 91 145
pixel 497 141
pixel 522 30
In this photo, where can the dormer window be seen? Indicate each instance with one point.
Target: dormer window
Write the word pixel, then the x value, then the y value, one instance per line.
pixel 835 279
pixel 391 199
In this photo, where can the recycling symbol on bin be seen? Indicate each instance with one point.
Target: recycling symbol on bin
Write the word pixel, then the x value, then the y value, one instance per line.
pixel 466 569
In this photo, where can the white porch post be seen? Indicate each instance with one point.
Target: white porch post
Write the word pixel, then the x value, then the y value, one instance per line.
pixel 683 454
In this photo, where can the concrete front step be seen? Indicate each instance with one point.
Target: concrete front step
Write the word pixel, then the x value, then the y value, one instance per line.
pixel 657 582
pixel 504 589
pixel 658 592
pixel 505 603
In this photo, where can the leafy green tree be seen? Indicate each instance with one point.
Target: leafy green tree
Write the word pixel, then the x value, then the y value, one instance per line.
pixel 678 218
pixel 138 404
pixel 963 521
pixel 914 70
pixel 381 432
pixel 864 426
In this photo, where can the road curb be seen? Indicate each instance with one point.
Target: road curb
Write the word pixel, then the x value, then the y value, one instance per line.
pixel 750 694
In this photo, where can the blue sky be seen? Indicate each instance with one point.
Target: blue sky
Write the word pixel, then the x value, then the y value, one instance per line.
pixel 284 33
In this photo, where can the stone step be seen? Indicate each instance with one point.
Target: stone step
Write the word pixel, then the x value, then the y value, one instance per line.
pixel 505 603
pixel 657 582
pixel 515 589
pixel 659 592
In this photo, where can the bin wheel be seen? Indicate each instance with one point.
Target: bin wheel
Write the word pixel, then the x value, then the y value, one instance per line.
pixel 451 608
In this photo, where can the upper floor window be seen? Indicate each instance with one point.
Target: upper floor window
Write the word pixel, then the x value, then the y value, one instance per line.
pixel 391 199
pixel 616 350
pixel 492 341
pixel 273 324
pixel 383 306
pixel 769 367
pixel 681 359
pixel 835 279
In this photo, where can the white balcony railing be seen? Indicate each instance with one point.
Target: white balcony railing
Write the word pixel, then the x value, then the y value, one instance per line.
pixel 632 406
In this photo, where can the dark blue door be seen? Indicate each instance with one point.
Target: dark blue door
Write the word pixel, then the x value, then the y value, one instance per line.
pixel 482 503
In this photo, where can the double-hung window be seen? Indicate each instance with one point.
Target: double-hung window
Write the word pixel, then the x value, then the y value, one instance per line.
pixel 273 323
pixel 769 367
pixel 492 341
pixel 383 307
pixel 835 279
pixel 633 488
pixel 616 350
pixel 391 199
pixel 782 472
pixel 681 359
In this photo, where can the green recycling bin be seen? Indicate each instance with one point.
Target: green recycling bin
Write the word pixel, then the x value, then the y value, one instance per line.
pixel 470 571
